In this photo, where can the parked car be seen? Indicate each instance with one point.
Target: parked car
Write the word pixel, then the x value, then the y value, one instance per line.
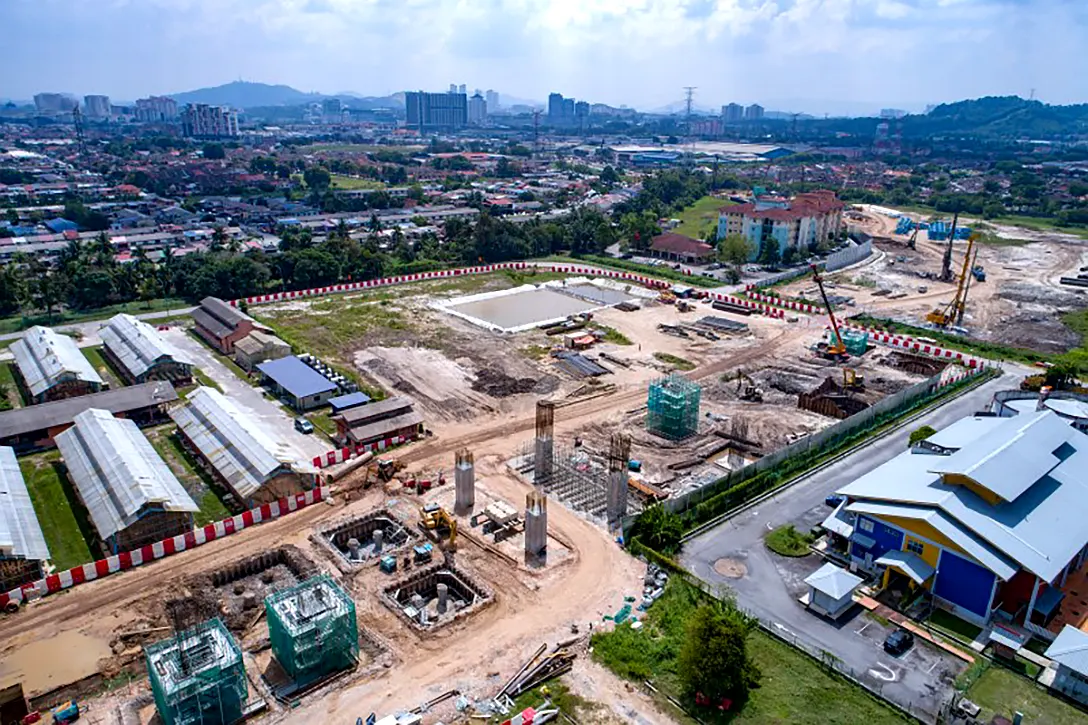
pixel 898 642
pixel 834 500
pixel 304 426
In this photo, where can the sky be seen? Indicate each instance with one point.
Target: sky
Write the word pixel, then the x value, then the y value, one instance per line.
pixel 814 56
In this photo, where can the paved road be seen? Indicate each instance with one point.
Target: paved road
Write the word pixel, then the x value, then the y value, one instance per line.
pixel 771 585
pixel 248 396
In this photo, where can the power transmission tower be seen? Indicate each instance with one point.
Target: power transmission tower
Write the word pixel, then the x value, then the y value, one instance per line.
pixel 689 95
pixel 536 131
pixel 81 141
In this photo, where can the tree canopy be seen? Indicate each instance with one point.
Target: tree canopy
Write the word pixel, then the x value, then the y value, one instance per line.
pixel 713 660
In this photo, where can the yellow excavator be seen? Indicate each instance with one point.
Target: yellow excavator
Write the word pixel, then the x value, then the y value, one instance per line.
pixel 434 518
pixel 952 314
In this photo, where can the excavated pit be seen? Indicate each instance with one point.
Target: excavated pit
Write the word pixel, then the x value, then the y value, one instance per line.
pixel 415 597
pixel 337 538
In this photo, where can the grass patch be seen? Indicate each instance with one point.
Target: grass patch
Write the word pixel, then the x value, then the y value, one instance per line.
pixel 701 217
pixel 17 323
pixel 536 352
pixel 205 490
pixel 203 379
pixel 560 695
pixel 102 364
pixel 961 343
pixel 953 626
pixel 795 688
pixel 63 520
pixel 350 182
pixel 999 691
pixel 323 422
pixel 788 541
pixel 677 362
pixel 1077 321
pixel 627 265
pixel 612 335
pixel 12 395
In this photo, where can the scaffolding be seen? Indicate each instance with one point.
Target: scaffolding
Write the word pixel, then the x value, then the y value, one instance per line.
pixel 673 407
pixel 313 629
pixel 198 677
pixel 855 342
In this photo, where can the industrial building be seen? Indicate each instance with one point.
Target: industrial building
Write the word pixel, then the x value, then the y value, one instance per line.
pixel 989 516
pixel 257 467
pixel 313 630
pixel 198 677
pixel 23 551
pixel 806 219
pixel 141 353
pixel 258 346
pixel 51 367
pixel 302 387
pixel 389 418
pixel 35 427
pixel 132 496
pixel 221 324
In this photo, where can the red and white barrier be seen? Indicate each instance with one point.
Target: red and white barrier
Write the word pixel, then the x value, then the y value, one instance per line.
pixel 909 344
pixel 130 559
pixel 525 717
pixel 775 300
pixel 331 458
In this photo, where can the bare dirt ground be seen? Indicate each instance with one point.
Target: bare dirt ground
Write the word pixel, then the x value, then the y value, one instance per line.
pixel 1019 304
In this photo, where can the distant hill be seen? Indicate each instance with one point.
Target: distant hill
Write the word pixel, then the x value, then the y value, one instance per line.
pixel 245 94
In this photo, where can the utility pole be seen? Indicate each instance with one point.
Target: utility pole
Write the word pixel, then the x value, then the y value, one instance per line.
pixel 81 141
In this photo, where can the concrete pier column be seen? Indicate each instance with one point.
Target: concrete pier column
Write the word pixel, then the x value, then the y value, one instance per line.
pixel 443 597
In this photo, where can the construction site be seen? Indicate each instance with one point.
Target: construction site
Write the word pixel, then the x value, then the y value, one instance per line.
pixel 429 574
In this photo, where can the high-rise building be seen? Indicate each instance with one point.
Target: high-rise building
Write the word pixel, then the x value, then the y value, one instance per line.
pixel 453 87
pixel 555 107
pixel 49 104
pixel 581 109
pixel 733 113
pixel 332 110
pixel 568 109
pixel 477 110
pixel 97 107
pixel 156 109
pixel 754 112
pixel 461 89
pixel 435 110
pixel 492 98
pixel 892 113
pixel 200 120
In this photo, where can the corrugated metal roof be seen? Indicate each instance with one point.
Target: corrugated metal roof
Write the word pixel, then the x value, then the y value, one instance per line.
pixel 211 323
pixel 351 400
pixel 838 523
pixel 139 346
pixel 117 472
pixel 365 413
pixel 383 428
pixel 1042 530
pixel 1009 458
pixel 909 563
pixel 1070 648
pixel 20 533
pixel 296 377
pixel 59 412
pixel 46 358
pixel 233 439
pixel 833 581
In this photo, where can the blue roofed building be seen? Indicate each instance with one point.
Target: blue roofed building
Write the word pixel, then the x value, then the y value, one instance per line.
pixel 60 225
pixel 296 382
pixel 989 516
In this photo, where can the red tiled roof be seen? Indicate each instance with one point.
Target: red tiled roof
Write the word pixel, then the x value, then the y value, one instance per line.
pixel 679 244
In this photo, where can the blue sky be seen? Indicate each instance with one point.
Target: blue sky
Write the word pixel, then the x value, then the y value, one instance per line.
pixel 787 54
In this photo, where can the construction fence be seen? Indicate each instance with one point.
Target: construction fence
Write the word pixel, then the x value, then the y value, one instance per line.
pixel 728 492
pixel 130 559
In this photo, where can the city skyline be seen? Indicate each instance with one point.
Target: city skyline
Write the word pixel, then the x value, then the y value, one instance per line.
pixel 801 55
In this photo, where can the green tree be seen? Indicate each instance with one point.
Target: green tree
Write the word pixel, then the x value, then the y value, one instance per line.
pixel 638 229
pixel 660 529
pixel 12 216
pixel 317 178
pixel 609 175
pixel 735 249
pixel 1078 188
pixel 214 151
pixel 769 253
pixel 714 658
pixel 920 434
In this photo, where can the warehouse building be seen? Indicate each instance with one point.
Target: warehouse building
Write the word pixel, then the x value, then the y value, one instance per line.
pixel 141 353
pixel 35 427
pixel 51 367
pixel 23 551
pixel 258 346
pixel 257 467
pixel 389 418
pixel 989 516
pixel 221 324
pixel 132 496
pixel 302 387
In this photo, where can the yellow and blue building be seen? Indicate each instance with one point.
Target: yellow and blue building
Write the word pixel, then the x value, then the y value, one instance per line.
pixel 989 515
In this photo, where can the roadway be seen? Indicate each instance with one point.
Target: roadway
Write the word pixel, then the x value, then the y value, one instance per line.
pixel 769 585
